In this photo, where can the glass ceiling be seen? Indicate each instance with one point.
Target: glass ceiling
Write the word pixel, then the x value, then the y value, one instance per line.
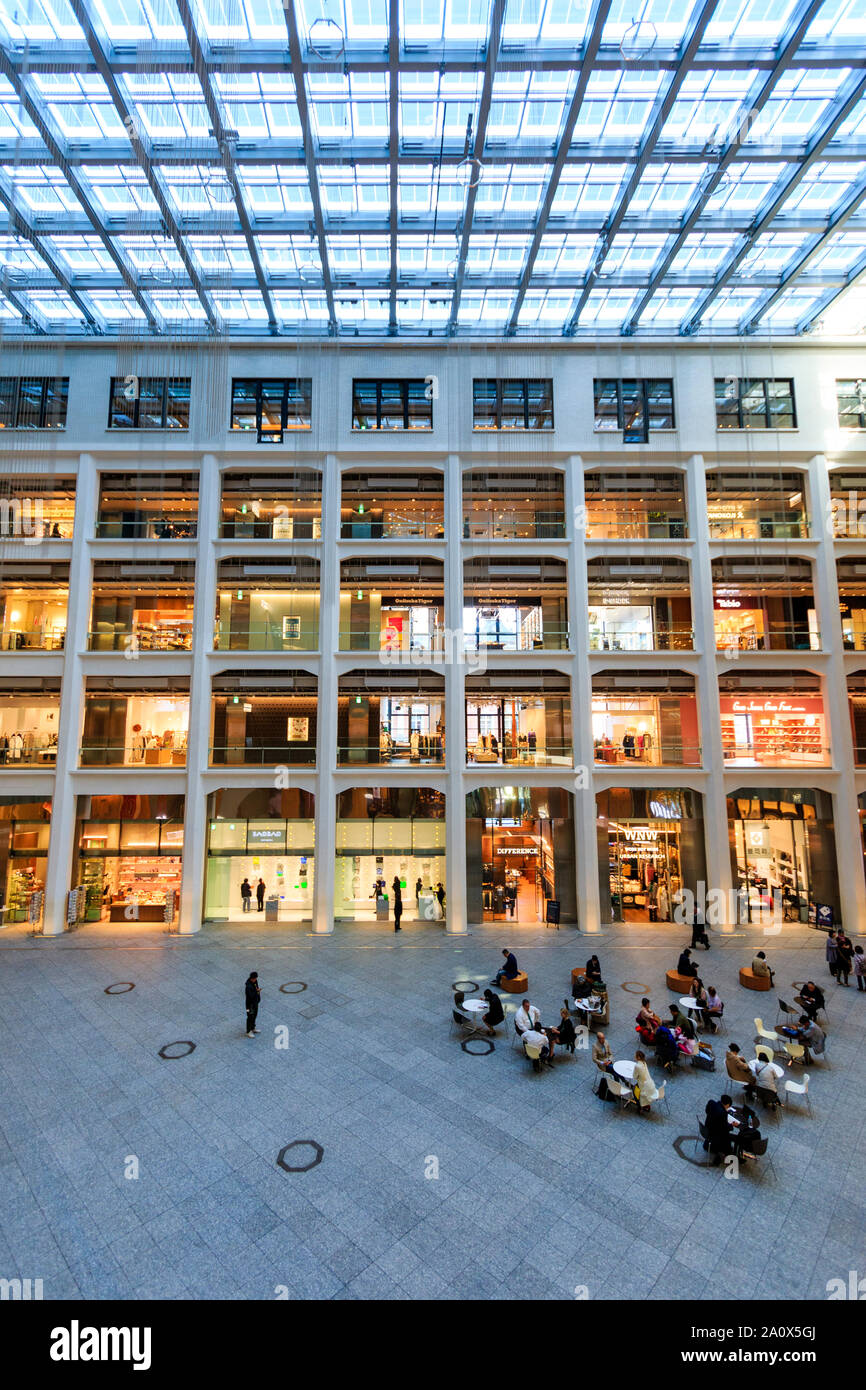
pixel 494 168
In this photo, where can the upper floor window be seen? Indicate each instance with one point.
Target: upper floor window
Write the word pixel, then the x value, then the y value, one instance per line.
pixel 33 402
pixel 149 403
pixel 755 403
pixel 851 404
pixel 512 403
pixel 392 405
pixel 634 406
pixel 272 406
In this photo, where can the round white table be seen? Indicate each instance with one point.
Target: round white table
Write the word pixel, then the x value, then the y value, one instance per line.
pixel 690 1002
pixel 590 1005
pixel 624 1070
pixel 475 1006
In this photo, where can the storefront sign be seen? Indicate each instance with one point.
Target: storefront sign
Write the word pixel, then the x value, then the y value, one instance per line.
pixel 640 834
pixel 728 603
pixel 763 707
pixel 524 852
pixel 266 836
pixel 758 838
pixel 666 810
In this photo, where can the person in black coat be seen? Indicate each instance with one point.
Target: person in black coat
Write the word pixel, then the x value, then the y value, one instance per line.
pixel 398 902
pixel 260 894
pixel 509 970
pixel 684 964
pixel 593 970
pixel 494 1015
pixel 699 931
pixel 719 1140
pixel 253 994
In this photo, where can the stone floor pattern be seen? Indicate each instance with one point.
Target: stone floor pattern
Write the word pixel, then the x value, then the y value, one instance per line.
pixel 542 1189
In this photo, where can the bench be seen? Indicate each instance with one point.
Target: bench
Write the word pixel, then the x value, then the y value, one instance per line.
pixel 749 980
pixel 679 984
pixel 519 985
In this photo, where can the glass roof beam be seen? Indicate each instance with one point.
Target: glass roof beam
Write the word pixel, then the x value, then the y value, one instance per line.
pixel 801 20
pixel 857 272
pixel 393 154
pixel 687 57
pixel 497 18
pixel 854 90
pixel 596 28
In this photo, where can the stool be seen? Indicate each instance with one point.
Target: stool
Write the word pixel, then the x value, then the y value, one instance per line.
pixel 749 980
pixel 679 984
pixel 519 985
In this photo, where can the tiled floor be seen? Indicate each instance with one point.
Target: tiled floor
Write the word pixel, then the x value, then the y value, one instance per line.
pixel 541 1188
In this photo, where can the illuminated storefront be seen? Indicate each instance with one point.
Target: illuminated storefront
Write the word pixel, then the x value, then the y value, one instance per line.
pixel 25 828
pixel 520 854
pixel 650 848
pixel 783 853
pixel 385 833
pixel 260 834
pixel 129 857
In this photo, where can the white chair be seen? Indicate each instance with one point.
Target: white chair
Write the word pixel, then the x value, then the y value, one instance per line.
pixel 534 1055
pixel 718 1019
pixel 662 1095
pixel 766 1033
pixel 795 1051
pixel 622 1092
pixel 794 1088
pixel 510 1010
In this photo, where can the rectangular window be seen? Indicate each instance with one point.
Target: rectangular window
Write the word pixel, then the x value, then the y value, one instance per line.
pixel 513 403
pixel 149 403
pixel 270 407
pixel 398 404
pixel 33 402
pixel 755 403
pixel 634 405
pixel 851 404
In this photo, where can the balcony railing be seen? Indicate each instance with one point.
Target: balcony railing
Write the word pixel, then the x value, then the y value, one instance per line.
pixel 361 639
pixel 139 640
pixel 554 637
pixel 773 752
pixel 769 526
pixel 552 755
pixel 32 757
pixel 263 637
pixel 635 526
pixel 149 529
pixel 669 753
pixel 621 637
pixel 125 755
pixel 234 755
pixel 373 755
pixel 251 529
pixel 775 639
pixel 16 640
pixel 427 527
pixel 515 525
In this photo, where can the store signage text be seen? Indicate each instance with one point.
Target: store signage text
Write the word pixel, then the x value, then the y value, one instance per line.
pixel 765 707
pixel 524 852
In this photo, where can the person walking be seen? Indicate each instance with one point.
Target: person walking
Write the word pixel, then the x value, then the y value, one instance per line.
pixel 398 902
pixel 260 894
pixel 253 995
pixel 860 967
pixel 844 957
pixel 831 953
pixel 246 895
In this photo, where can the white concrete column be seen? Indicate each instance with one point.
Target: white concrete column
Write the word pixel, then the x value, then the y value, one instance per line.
pixel 326 732
pixel 61 846
pixel 455 711
pixel 712 753
pixel 586 853
pixel 198 739
pixel 846 818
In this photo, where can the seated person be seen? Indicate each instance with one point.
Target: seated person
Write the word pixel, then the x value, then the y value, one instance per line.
pixel 601 1053
pixel 738 1068
pixel 494 1014
pixel 647 1022
pixel 714 1008
pixel 698 993
pixel 811 998
pixel 666 1045
pixel 645 1089
pixel 459 1009
pixel 684 964
pixel 527 1016
pixel 509 970
pixel 582 988
pixel 684 1032
pixel 745 1132
pixel 761 968
pixel 766 1075
pixel 718 1141
pixel 565 1031
pixel 593 970
pixel 807 1033
pixel 534 1037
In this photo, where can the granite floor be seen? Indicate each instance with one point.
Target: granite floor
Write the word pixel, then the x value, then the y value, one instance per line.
pixel 442 1174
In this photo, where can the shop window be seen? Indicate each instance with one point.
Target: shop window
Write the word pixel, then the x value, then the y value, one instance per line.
pixel 149 403
pixel 399 404
pixel 502 403
pixel 270 407
pixel 783 855
pixel 634 406
pixel 33 402
pixel 851 404
pixel 755 403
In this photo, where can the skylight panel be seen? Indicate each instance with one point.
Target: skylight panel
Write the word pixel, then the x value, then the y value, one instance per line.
pixel 183 306
pixel 240 307
pixel 773 253
pixel 421 312
pixel 115 307
pixel 307 309
pixel 126 21
pixel 669 307
pixel 82 255
pixel 54 306
pixel 749 21
pixel 793 306
pixel 485 309
pixel 39 21
pixel 607 308
pixel 545 309
pixel 730 305
pixel 154 258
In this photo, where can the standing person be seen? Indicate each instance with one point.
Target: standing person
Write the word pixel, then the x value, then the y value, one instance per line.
pixel 831 953
pixel 440 897
pixel 253 994
pixel 699 930
pixel 260 894
pixel 844 956
pixel 860 967
pixel 398 902
pixel 419 889
pixel 246 894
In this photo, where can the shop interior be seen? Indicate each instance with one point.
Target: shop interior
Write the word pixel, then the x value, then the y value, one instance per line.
pixel 146 729
pixel 515 606
pixel 750 505
pixel 857 707
pixel 260 833
pixel 523 726
pixel 25 827
pixel 285 506
pixel 774 725
pixel 383 834
pixel 639 605
pixel 406 726
pixel 634 506
pixel 851 578
pixel 650 847
pixel 265 606
pixel 147 506
pixel 782 852
pixel 848 503
pixel 517 505
pixel 519 869
pixel 130 852
pixel 257 720
pixel 657 722
pixel 142 608
pixel 28 728
pixel 392 606
pixel 33 608
pixel 764 605
pixel 37 507
pixel 377 505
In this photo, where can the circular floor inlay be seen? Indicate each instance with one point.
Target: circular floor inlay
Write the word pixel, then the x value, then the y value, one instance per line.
pixel 175 1056
pixel 318 1155
pixel 122 987
pixel 468 986
pixel 293 987
pixel 634 987
pixel 487 1044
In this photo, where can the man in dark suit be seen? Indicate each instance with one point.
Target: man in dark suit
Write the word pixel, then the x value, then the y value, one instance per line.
pixel 509 970
pixel 684 964
pixel 718 1140
pixel 253 995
